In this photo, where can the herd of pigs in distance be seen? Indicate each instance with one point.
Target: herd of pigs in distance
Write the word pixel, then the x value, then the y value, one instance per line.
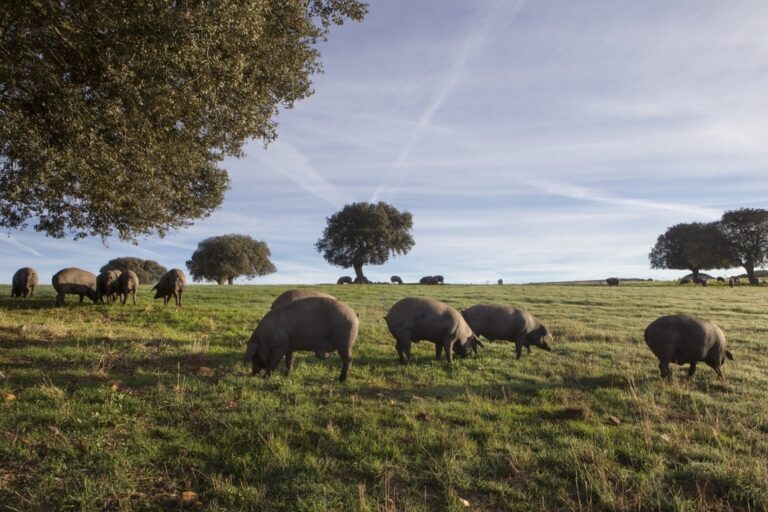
pixel 307 320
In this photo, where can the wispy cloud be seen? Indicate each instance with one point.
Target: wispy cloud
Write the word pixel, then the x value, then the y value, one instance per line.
pixel 586 194
pixel 294 165
pixel 13 242
pixel 489 23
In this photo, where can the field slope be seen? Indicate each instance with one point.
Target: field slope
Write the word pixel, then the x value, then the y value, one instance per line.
pixel 104 407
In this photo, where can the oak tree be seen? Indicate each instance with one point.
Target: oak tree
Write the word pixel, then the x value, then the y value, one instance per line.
pixel 746 230
pixel 148 271
pixel 365 234
pixel 224 258
pixel 691 246
pixel 115 114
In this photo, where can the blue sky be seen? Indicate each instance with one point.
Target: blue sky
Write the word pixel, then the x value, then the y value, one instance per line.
pixel 531 140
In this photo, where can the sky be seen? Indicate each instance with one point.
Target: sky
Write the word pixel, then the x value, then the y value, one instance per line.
pixel 531 141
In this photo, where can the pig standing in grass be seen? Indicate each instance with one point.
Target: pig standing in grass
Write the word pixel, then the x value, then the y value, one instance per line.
pixel 317 324
pixel 74 281
pixel 507 323
pixel 127 283
pixel 684 339
pixel 106 285
pixel 24 282
pixel 418 318
pixel 293 295
pixel 170 285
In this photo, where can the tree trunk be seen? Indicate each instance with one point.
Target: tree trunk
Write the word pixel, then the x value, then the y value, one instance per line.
pixel 220 281
pixel 695 272
pixel 230 280
pixel 750 268
pixel 358 271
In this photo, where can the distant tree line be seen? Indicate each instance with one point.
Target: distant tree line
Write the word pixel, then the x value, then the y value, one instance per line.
pixel 739 238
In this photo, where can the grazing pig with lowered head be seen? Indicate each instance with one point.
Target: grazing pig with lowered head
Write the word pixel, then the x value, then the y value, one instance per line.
pixel 293 295
pixel 684 339
pixel 317 324
pixel 507 323
pixel 703 281
pixel 428 280
pixel 127 283
pixel 24 282
pixel 344 280
pixel 170 285
pixel 612 281
pixel 74 281
pixel 419 318
pixel 396 280
pixel 106 285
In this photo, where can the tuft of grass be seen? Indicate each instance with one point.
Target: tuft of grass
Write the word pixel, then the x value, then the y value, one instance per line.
pixel 150 408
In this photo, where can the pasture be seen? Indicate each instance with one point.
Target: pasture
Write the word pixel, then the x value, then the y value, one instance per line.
pixel 142 407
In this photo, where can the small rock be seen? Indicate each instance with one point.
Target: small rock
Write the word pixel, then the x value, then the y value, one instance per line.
pixel 613 420
pixel 666 438
pixel 464 502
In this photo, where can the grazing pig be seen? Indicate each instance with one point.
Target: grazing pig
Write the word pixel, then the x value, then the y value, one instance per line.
pixel 684 339
pixel 293 295
pixel 428 280
pixel 685 280
pixel 317 324
pixel 612 281
pixel 106 285
pixel 396 280
pixel 127 283
pixel 507 323
pixel 417 318
pixel 720 279
pixel 703 281
pixel 362 280
pixel 440 279
pixel 24 282
pixel 74 281
pixel 500 282
pixel 344 280
pixel 170 285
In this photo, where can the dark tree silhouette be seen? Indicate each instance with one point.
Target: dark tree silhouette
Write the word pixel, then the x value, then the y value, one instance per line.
pixel 365 234
pixel 148 271
pixel 223 258
pixel 746 230
pixel 692 246
pixel 115 115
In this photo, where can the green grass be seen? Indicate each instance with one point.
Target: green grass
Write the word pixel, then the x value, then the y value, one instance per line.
pixel 126 408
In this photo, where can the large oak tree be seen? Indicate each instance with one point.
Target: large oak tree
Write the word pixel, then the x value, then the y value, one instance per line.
pixel 747 232
pixel 691 246
pixel 223 258
pixel 365 234
pixel 115 114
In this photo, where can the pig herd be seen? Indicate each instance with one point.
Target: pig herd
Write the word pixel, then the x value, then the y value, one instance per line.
pixel 316 322
pixel 108 286
pixel 306 320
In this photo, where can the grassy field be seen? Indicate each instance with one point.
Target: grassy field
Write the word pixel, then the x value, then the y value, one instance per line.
pixel 144 408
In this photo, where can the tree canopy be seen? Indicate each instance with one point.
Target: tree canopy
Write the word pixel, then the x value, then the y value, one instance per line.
pixel 224 258
pixel 691 246
pixel 148 271
pixel 746 230
pixel 115 114
pixel 365 234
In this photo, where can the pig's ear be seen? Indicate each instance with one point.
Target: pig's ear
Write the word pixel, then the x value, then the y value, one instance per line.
pixel 479 343
pixel 728 355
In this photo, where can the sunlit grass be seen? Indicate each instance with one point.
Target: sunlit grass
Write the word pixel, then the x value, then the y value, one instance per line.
pixel 128 407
